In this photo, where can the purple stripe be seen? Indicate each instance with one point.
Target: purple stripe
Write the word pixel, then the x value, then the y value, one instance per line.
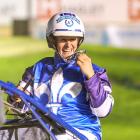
pixel 96 90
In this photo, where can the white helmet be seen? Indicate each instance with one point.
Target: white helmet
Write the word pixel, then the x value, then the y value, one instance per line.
pixel 64 24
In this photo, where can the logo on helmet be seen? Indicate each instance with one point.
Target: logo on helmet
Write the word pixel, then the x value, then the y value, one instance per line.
pixel 68 22
pixel 67 17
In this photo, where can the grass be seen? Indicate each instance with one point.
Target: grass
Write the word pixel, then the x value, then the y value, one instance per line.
pixel 123 123
pixel 120 132
pixel 123 69
pixel 21 46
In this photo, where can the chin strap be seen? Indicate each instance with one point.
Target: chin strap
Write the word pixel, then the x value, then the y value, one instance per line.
pixel 71 57
pixel 74 56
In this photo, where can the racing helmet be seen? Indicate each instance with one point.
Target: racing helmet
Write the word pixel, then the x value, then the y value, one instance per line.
pixel 64 24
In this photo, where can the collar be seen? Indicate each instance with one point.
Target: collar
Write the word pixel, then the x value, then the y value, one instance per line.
pixel 58 61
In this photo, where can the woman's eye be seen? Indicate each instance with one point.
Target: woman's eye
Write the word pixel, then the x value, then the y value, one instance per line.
pixel 73 39
pixel 63 40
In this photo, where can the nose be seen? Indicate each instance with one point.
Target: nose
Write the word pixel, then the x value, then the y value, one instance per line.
pixel 68 43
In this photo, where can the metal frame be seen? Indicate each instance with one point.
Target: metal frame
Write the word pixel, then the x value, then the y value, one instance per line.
pixel 43 116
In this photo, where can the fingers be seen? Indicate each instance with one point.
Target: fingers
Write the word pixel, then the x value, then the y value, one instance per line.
pixel 85 64
pixel 82 58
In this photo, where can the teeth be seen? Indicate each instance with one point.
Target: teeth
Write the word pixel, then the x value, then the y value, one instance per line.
pixel 66 51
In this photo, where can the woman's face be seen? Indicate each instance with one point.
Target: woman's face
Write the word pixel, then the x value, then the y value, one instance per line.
pixel 66 46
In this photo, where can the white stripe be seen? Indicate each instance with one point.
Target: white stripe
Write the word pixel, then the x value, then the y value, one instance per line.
pixel 42 89
pixel 23 84
pixel 103 109
pixel 107 88
pixel 69 136
pixel 89 135
pixel 72 88
pixel 54 105
pixel 56 83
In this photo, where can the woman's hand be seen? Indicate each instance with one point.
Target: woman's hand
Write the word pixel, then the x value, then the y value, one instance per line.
pixel 85 64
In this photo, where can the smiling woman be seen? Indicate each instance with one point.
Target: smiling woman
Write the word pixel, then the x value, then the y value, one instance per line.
pixel 66 46
pixel 75 89
pixel 123 91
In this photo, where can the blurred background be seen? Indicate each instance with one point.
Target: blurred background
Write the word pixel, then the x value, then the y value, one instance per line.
pixel 112 40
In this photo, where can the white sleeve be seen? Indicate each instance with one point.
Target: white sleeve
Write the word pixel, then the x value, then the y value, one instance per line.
pixel 105 108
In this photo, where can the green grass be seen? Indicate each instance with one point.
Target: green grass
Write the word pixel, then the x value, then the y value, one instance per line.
pixel 123 123
pixel 123 68
pixel 120 132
